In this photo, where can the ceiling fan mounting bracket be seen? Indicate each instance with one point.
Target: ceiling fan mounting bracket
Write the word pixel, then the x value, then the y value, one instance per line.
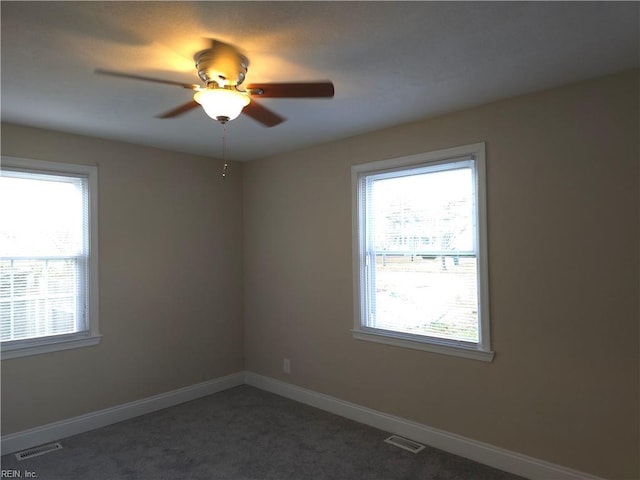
pixel 221 64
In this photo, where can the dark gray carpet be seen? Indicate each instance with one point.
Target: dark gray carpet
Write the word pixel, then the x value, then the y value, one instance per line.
pixel 244 434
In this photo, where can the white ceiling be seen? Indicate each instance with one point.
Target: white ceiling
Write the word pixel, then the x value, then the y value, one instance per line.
pixel 391 63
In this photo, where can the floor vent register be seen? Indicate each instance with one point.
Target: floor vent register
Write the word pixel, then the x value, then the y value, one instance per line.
pixel 405 443
pixel 36 451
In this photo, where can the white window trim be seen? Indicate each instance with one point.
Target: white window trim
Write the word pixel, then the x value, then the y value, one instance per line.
pixel 22 348
pixel 481 350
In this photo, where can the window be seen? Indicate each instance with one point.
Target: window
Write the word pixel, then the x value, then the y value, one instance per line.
pixel 420 263
pixel 48 257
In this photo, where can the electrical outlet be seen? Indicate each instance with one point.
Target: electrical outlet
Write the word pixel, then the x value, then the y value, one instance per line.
pixel 286 366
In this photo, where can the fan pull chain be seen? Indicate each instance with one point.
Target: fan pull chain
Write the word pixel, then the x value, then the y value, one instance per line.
pixel 224 151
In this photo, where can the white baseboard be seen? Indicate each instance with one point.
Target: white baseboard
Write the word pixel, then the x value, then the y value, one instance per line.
pixel 496 457
pixel 484 453
pixel 15 442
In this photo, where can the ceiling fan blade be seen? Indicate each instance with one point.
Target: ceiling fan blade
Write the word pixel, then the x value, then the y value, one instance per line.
pixel 189 86
pixel 263 115
pixel 292 90
pixel 179 110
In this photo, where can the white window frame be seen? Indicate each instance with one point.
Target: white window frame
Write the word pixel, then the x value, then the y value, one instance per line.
pixel 482 349
pixel 90 336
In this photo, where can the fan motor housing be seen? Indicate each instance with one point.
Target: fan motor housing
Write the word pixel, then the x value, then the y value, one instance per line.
pixel 221 64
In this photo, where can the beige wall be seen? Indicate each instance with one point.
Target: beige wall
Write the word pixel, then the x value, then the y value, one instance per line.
pixel 170 240
pixel 563 209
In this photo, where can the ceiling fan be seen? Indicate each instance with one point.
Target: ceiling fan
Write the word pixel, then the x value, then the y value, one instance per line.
pixel 223 68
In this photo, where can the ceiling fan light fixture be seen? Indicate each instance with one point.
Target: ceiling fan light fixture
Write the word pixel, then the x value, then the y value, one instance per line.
pixel 222 104
pixel 222 68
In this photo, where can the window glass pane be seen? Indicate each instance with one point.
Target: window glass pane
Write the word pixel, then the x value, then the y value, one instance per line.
pixel 6 326
pixel 421 245
pixel 42 215
pixel 42 301
pixel 426 295
pixel 61 313
pixel 62 277
pixel 43 246
pixel 423 212
pixel 26 318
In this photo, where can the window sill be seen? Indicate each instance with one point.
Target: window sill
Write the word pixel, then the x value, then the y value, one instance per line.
pixel 47 345
pixel 443 348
